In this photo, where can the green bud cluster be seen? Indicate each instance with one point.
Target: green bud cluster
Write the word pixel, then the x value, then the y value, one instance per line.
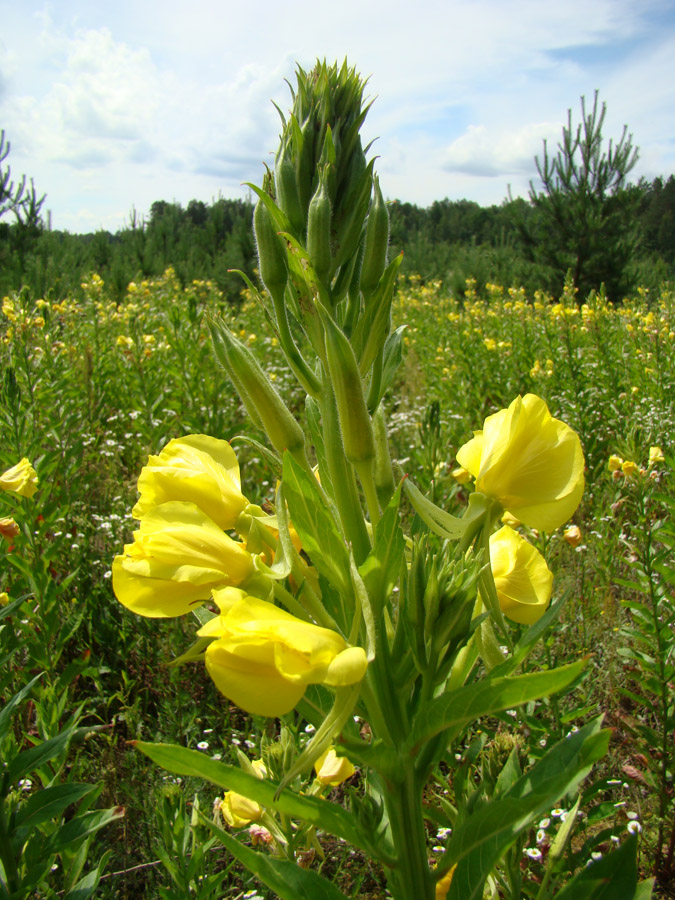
pixel 438 606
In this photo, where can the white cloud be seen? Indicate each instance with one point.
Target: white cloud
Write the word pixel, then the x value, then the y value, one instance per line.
pixel 484 151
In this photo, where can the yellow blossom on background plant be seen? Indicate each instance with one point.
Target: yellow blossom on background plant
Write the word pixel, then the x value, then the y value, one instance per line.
pixel 332 769
pixel 4 598
pixel 20 479
pixel 8 527
pixel 530 462
pixel 263 658
pixel 178 556
pixel 629 468
pixel 198 469
pixel 573 535
pixel 461 475
pixel 614 463
pixel 523 580
pixel 656 456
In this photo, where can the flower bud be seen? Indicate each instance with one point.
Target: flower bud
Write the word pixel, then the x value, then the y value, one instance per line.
pixel 377 242
pixel 318 230
pixel 288 196
pixel 281 427
pixel 271 253
pixel 355 422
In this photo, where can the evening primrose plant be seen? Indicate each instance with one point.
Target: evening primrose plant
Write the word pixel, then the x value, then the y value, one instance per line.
pixel 355 605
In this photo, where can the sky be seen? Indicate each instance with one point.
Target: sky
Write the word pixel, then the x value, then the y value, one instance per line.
pixel 112 106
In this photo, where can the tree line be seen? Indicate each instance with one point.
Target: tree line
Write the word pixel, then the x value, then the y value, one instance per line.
pixel 583 219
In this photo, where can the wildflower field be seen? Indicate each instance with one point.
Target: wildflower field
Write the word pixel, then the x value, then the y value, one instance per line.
pixel 90 388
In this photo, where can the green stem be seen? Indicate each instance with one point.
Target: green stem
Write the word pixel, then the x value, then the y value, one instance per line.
pixel 411 878
pixel 6 854
pixel 342 478
pixel 366 477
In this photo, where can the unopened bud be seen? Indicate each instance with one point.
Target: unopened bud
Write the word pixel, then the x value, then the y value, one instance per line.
pixel 258 394
pixel 377 242
pixel 318 230
pixel 271 253
pixel 355 422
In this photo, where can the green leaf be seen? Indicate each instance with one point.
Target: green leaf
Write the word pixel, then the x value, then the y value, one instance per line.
pixel 374 325
pixel 86 886
pixel 80 827
pixel 645 889
pixel 316 526
pixel 392 358
pixel 285 878
pixel 612 877
pixel 491 695
pixel 478 843
pixel 382 565
pixel 192 763
pixel 13 702
pixel 49 803
pixel 33 758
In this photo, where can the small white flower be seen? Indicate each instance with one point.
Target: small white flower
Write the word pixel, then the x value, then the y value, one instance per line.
pixel 203 745
pixel 557 812
pixel 310 729
pixel 632 814
pixel 596 854
pixel 545 822
pixel 634 827
pixel 533 852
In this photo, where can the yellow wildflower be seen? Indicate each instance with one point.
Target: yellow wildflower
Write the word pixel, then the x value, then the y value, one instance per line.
pixel 523 580
pixel 20 479
pixel 263 658
pixel 528 461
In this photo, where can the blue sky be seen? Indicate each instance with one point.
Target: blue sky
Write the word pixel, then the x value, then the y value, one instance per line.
pixel 111 106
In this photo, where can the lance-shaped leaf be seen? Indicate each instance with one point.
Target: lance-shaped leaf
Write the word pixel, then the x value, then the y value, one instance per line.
pixel 478 844
pixel 484 698
pixel 49 803
pixel 285 878
pixel 315 524
pixel 194 764
pixel 612 877
pixel 442 523
pixel 381 568
pixel 374 325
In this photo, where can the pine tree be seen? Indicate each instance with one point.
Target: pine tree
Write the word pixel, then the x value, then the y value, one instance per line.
pixel 582 220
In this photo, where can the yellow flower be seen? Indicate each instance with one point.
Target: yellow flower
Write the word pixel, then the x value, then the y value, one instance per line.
pixel 656 456
pixel 178 556
pixel 629 468
pixel 196 468
pixel 573 535
pixel 528 461
pixel 238 810
pixel 263 658
pixel 614 463
pixel 20 479
pixel 461 475
pixel 332 769
pixel 4 598
pixel 8 527
pixel 524 582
